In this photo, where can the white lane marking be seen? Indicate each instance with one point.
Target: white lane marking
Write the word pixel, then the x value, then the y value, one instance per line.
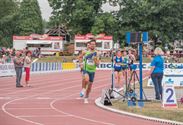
pixel 14 116
pixel 43 98
pixel 28 108
pixel 75 116
pixel 5 98
pixel 37 80
pixel 36 116
pixel 56 83
pixel 9 81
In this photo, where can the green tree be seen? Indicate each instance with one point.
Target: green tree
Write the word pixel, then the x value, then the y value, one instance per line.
pixel 162 18
pixel 30 20
pixel 8 17
pixel 77 15
pixel 105 23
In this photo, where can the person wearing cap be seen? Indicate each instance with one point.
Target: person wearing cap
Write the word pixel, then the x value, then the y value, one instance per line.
pixel 27 65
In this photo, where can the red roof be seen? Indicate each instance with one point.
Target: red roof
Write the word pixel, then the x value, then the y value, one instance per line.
pixel 88 36
pixel 37 37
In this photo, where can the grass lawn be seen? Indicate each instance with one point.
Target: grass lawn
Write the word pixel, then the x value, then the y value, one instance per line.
pixel 70 58
pixel 66 59
pixel 152 109
pixel 56 59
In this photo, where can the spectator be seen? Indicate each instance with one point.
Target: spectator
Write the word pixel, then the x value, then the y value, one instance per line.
pixel 27 65
pixel 37 53
pixel 157 72
pixel 168 57
pixel 18 63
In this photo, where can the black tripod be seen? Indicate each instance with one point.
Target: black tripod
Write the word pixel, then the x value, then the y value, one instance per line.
pixel 135 78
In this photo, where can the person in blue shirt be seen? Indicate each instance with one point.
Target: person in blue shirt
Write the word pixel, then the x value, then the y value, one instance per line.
pixel 118 68
pixel 157 69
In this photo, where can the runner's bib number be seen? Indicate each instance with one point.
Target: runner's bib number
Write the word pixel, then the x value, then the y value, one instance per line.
pixel 90 62
pixel 117 65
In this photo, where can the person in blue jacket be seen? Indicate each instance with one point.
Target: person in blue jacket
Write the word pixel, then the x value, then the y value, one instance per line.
pixel 157 69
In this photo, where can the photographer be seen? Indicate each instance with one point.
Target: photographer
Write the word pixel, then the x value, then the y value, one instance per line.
pixel 18 64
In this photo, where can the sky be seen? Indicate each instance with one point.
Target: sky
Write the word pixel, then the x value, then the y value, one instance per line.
pixel 46 9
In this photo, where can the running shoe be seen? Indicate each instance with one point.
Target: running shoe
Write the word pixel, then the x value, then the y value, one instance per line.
pixel 81 94
pixel 86 100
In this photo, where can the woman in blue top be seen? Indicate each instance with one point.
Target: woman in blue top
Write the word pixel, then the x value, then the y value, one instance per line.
pixel 157 72
pixel 117 67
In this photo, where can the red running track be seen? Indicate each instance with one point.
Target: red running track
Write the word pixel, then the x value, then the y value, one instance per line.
pixel 53 100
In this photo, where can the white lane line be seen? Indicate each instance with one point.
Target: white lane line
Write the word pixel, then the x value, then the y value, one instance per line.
pixel 5 98
pixel 36 116
pixel 37 123
pixel 28 108
pixel 37 81
pixel 43 98
pixel 76 116
pixel 52 84
pixel 32 82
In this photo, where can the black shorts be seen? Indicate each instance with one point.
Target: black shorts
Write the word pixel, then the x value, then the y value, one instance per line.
pixel 118 70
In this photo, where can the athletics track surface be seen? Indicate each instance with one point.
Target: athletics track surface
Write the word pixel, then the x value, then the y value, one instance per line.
pixel 53 100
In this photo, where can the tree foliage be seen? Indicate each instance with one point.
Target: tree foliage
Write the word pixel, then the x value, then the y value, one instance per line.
pixel 78 15
pixel 8 16
pixel 29 20
pixel 19 18
pixel 161 18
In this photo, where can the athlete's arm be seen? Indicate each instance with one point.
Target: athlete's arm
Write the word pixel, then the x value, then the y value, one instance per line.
pixel 96 59
pixel 80 57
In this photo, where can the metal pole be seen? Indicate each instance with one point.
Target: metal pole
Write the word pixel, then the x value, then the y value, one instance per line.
pixel 112 67
pixel 140 71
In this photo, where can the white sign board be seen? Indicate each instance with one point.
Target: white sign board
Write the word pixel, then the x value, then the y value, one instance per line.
pixel 7 69
pixel 169 95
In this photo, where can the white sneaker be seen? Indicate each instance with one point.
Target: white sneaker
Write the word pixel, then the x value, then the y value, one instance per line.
pixel 28 85
pixel 86 100
pixel 81 94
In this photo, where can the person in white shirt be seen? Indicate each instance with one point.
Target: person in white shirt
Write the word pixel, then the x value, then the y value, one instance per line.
pixel 27 65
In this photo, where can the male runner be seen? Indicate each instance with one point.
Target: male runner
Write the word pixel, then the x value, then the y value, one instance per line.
pixel 91 61
pixel 82 66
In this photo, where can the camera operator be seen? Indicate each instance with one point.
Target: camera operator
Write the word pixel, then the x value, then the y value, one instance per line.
pixel 18 64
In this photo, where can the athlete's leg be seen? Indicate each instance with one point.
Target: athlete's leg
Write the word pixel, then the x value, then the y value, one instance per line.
pixel 90 82
pixel 116 75
pixel 88 90
pixel 85 80
pixel 119 78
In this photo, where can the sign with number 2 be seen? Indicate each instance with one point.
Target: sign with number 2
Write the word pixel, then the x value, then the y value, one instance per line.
pixel 169 96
